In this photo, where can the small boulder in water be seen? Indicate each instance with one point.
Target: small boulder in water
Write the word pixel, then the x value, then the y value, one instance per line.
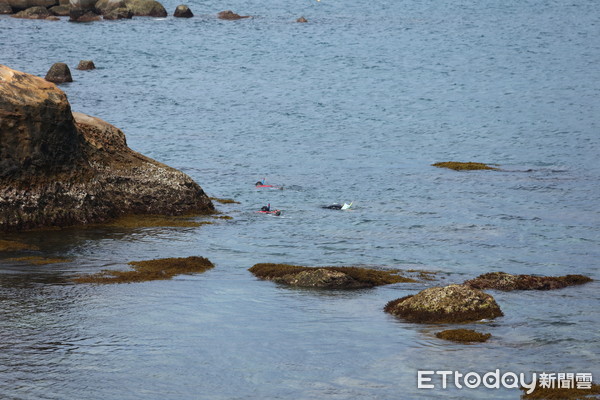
pixel 183 11
pixel 449 304
pixel 301 19
pixel 59 73
pixel 463 335
pixel 86 65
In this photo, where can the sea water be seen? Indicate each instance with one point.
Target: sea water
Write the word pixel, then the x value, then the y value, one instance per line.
pixel 354 105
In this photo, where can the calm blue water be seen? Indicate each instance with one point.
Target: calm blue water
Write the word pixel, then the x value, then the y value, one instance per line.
pixel 353 106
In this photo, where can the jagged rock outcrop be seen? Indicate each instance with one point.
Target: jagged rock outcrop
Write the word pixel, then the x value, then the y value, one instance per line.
pixel 59 168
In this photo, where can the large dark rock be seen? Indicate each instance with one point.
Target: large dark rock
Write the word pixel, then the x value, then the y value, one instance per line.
pixel 230 15
pixel 183 11
pixel 146 8
pixel 59 73
pixel 33 13
pixel 449 304
pixel 20 5
pixel 59 169
pixel 507 282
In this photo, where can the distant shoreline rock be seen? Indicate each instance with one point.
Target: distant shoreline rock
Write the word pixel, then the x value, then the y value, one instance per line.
pixel 59 168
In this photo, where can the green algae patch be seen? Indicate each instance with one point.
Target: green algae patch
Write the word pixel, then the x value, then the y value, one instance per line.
pixel 10 245
pixel 36 260
pixel 331 277
pixel 150 270
pixel 222 217
pixel 463 335
pixel 224 201
pixel 156 221
pixel 463 166
pixel 540 393
pixel 508 282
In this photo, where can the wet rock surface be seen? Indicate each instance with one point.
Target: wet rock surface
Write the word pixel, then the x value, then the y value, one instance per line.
pixel 507 282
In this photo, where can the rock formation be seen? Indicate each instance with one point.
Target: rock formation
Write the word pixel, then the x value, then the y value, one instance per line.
pixel 301 19
pixel 449 304
pixel 230 15
pixel 5 8
pixel 82 15
pixel 59 73
pixel 183 11
pixel 20 5
pixel 508 282
pixel 59 169
pixel 140 8
pixel 85 65
pixel 33 13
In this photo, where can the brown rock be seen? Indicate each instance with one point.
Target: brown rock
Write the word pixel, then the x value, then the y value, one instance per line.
pixel 301 19
pixel 449 304
pixel 230 15
pixel 463 335
pixel 119 13
pixel 61 10
pixel 83 15
pixel 33 13
pixel 86 65
pixel 508 282
pixel 59 73
pixel 60 169
pixel 321 278
pixel 183 11
pixel 146 8
pixel 20 5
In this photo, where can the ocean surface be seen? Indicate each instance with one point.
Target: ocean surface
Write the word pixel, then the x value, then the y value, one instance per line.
pixel 353 106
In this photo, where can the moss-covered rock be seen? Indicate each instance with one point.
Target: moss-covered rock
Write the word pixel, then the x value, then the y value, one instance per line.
pixel 463 335
pixel 463 166
pixel 449 304
pixel 150 270
pixel 327 277
pixel 540 393
pixel 507 282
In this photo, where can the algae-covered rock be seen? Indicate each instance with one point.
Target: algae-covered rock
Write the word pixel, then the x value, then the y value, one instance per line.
pixel 592 391
pixel 150 270
pixel 59 73
pixel 449 304
pixel 327 277
pixel 463 166
pixel 37 260
pixel 507 282
pixel 463 335
pixel 230 15
pixel 59 169
pixel 11 245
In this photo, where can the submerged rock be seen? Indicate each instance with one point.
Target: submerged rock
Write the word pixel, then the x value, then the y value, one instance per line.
pixel 11 245
pixel 301 19
pixel 507 282
pixel 150 270
pixel 463 335
pixel 463 166
pixel 230 15
pixel 33 13
pixel 59 169
pixel 327 277
pixel 59 73
pixel 86 65
pixel 183 11
pixel 591 391
pixel 449 304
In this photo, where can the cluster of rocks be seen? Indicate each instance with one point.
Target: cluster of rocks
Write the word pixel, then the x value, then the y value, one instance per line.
pixel 60 72
pixel 59 168
pixel 95 10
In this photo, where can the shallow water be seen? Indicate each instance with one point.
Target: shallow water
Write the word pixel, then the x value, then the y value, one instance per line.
pixel 353 106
